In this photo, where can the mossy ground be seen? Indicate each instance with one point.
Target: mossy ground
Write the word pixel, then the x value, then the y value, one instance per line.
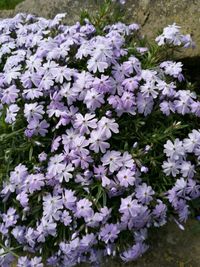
pixel 9 4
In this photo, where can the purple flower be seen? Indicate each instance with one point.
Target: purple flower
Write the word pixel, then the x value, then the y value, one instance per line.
pixel 11 113
pixel 32 93
pixel 52 206
pixel 23 199
pixel 134 252
pixel 102 85
pixel 69 199
pixel 109 233
pixel 34 182
pixel 132 65
pixel 37 127
pixel 10 218
pixel 6 258
pixel 33 112
pixel 36 262
pixel 193 188
pixel 129 207
pixel 126 177
pixel 174 151
pixel 83 123
pixel 45 228
pixel 170 167
pixel 10 95
pixel 66 173
pixel 112 159
pixel 193 141
pixel 23 262
pixel 172 35
pixel 187 169
pixel 144 104
pixel 180 187
pixel 42 156
pixel 160 214
pixel 83 208
pixel 167 107
pixel 173 69
pixel 107 126
pixel 93 99
pixel 66 218
pixel 97 140
pixel 144 193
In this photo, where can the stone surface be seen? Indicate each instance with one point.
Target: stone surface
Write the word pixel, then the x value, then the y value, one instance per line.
pixel 153 15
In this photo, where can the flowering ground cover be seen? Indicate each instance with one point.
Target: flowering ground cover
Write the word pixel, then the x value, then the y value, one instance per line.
pixel 99 139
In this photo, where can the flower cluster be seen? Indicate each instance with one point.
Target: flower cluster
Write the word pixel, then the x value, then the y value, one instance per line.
pixel 178 163
pixel 84 191
pixel 171 35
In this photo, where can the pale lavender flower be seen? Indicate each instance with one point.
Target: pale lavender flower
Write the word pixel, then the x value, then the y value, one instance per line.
pixel 33 111
pixel 34 182
pixel 52 206
pixel 45 228
pixel 107 126
pixel 187 169
pixel 192 142
pixel 134 252
pixel 127 160
pixel 193 188
pixel 129 207
pixel 112 159
pixel 144 193
pixel 23 199
pixel 132 65
pixel 83 208
pixel 32 93
pixel 69 199
pixel 160 214
pixel 109 233
pixel 55 144
pixel 23 262
pixel 6 258
pixel 102 85
pixel 126 177
pixel 10 218
pixel 170 167
pixel 10 95
pixel 11 113
pixel 130 84
pixel 97 141
pixel 144 104
pixel 173 69
pixel 83 123
pixel 180 187
pixel 36 262
pixel 93 99
pixel 42 156
pixel 167 107
pixel 172 35
pixel 38 128
pixel 66 218
pixel 174 150
pixel 66 173
pixel 12 74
